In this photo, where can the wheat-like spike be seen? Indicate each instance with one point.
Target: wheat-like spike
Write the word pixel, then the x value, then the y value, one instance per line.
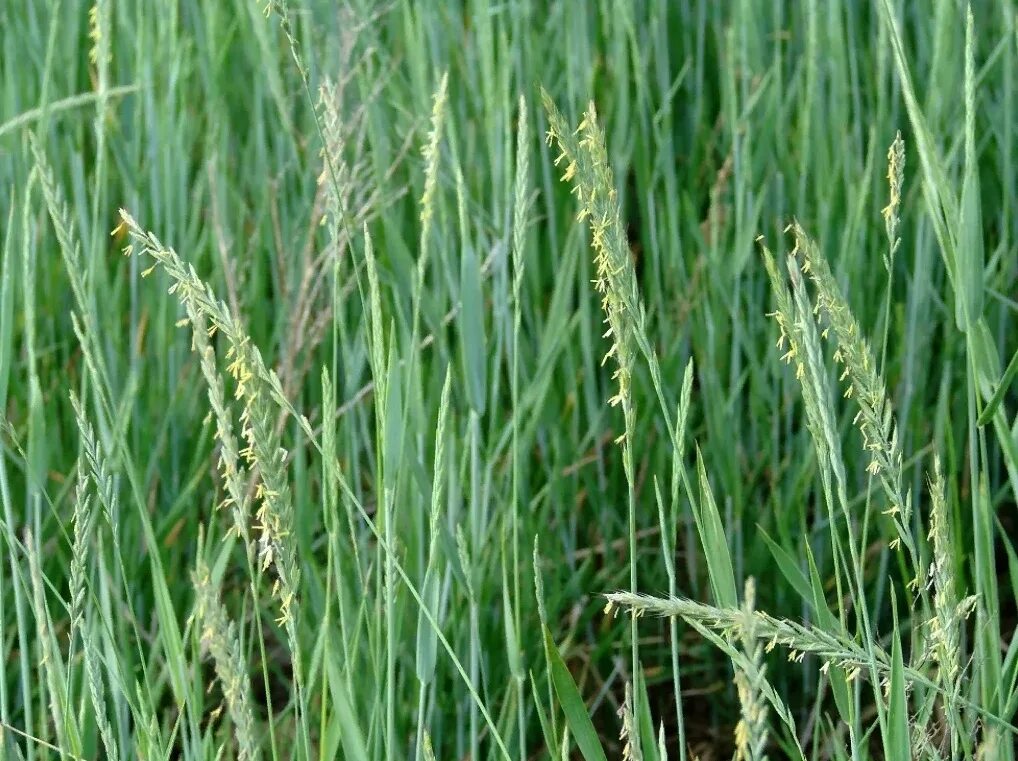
pixel 791 342
pixel 815 376
pixel 255 385
pixel 944 626
pixel 431 154
pixel 345 205
pixel 588 169
pixel 628 734
pixel 231 466
pixel 63 225
pixel 191 290
pixel 97 694
pixel 99 53
pixel 333 151
pixel 800 343
pixel 246 360
pixel 800 639
pixel 752 731
pixel 875 418
pixel 429 751
pixel 276 546
pixel 82 520
pixel 219 637
pixel 520 199
pixel 944 646
pixel 94 456
pixel 258 388
pixel 895 181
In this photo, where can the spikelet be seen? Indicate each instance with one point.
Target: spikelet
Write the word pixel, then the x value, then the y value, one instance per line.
pixel 231 467
pixel 94 33
pixel 429 751
pixel 97 694
pixel 350 198
pixel 100 475
pixel 63 226
pixel 948 611
pixel 99 52
pixel 944 634
pixel 800 343
pixel 82 520
pixel 282 10
pixel 430 152
pixel 752 730
pixel 629 734
pixel 335 172
pixel 520 199
pixel 895 181
pixel 219 638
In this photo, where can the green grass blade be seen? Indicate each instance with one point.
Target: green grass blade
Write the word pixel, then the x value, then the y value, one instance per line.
pixel 577 719
pixel 715 542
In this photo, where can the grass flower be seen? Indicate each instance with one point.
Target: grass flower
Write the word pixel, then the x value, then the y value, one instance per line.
pixel 587 168
pixel 219 638
pixel 259 392
pixel 875 418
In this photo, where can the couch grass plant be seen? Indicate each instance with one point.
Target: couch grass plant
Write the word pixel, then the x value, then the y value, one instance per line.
pixel 508 380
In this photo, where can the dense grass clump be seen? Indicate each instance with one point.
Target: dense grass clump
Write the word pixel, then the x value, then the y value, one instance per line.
pixel 508 380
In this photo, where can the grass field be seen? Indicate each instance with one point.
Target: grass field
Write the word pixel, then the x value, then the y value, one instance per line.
pixel 508 380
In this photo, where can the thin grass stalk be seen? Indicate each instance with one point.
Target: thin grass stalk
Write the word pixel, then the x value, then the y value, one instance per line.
pixel 520 210
pixel 22 604
pixel 820 408
pixel 100 25
pixel 425 660
pixel 668 546
pixel 82 519
pixel 75 267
